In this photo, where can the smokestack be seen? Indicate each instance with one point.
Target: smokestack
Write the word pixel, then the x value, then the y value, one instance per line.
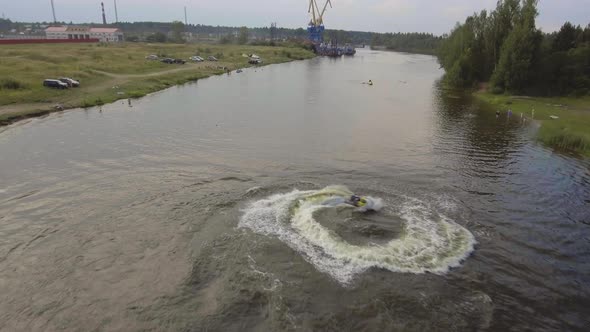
pixel 104 17
pixel 116 14
pixel 185 20
pixel 53 11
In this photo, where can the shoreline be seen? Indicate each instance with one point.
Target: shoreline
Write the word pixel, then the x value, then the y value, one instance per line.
pixel 109 86
pixel 564 121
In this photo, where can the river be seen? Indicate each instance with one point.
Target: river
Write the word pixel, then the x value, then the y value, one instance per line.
pixel 197 209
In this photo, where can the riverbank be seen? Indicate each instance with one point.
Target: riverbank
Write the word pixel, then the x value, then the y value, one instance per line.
pixel 569 131
pixel 109 72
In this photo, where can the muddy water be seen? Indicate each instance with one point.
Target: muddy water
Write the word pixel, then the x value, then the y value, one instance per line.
pixel 197 209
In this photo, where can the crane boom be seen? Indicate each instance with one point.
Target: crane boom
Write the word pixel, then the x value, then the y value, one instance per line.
pixel 323 11
pixel 317 16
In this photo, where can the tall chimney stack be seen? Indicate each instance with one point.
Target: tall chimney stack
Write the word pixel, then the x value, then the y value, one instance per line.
pixel 104 17
pixel 53 11
pixel 116 14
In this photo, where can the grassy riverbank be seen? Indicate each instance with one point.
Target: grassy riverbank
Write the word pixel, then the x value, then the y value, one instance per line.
pixel 571 131
pixel 110 72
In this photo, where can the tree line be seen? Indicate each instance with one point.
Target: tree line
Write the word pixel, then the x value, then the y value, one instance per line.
pixel 506 49
pixel 412 42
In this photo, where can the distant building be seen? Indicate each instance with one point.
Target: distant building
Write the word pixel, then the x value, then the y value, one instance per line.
pixel 106 35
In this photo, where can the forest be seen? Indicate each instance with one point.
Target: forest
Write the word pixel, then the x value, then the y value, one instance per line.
pixel 505 48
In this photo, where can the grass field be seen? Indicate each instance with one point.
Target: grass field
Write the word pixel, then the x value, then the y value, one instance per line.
pixel 108 72
pixel 571 131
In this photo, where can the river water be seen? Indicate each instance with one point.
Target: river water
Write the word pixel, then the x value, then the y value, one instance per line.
pixel 201 208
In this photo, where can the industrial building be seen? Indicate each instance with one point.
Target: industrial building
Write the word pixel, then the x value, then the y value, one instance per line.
pixel 106 35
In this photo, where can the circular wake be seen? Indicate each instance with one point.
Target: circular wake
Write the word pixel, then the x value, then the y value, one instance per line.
pixel 430 242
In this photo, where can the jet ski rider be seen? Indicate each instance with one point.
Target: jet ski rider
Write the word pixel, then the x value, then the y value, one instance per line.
pixel 357 201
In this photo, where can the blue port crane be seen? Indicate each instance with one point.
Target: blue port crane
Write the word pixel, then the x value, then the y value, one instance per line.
pixel 316 25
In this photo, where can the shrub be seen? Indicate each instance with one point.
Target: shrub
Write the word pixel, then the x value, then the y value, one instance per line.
pixel 497 90
pixel 135 94
pixel 11 84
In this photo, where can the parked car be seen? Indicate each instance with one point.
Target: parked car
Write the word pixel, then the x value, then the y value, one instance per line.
pixel 179 61
pixel 212 58
pixel 167 60
pixel 152 57
pixel 55 84
pixel 70 82
pixel 196 58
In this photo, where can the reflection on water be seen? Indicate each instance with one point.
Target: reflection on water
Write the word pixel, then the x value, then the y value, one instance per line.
pixel 127 218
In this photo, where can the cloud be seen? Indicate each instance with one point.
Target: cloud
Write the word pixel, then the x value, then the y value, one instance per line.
pixel 392 7
pixel 437 16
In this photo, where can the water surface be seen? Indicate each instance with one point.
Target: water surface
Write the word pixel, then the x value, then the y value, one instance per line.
pixel 133 218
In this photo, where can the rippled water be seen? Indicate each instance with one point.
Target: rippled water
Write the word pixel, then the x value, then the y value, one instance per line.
pixel 160 216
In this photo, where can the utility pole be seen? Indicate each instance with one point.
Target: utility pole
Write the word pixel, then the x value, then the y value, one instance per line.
pixel 185 19
pixel 53 11
pixel 116 14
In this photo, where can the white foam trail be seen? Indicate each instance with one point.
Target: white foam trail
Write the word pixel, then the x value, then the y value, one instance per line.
pixel 431 242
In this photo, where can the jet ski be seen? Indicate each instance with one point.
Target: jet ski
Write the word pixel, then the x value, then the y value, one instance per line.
pixel 360 203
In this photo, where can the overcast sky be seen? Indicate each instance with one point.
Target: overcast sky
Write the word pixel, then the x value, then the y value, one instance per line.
pixel 436 16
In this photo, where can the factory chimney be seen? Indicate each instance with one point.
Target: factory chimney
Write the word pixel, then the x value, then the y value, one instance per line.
pixel 116 14
pixel 104 17
pixel 53 11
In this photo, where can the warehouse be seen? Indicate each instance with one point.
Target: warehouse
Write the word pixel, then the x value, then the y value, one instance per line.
pixel 81 32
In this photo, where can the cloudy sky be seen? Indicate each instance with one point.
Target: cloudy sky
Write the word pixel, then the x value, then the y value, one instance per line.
pixel 437 16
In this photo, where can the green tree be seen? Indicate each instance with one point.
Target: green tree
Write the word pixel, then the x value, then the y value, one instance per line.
pixel 566 38
pixel 226 39
pixel 157 37
pixel 243 36
pixel 519 52
pixel 177 31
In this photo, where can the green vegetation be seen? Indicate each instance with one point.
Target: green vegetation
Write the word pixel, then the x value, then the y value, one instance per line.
pixel 571 131
pixel 177 30
pixel 243 37
pixel 505 48
pixel 424 43
pixel 108 72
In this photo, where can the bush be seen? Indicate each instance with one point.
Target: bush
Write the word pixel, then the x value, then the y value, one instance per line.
pixel 580 92
pixel 11 84
pixel 219 55
pixel 135 94
pixel 497 90
pixel 286 54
